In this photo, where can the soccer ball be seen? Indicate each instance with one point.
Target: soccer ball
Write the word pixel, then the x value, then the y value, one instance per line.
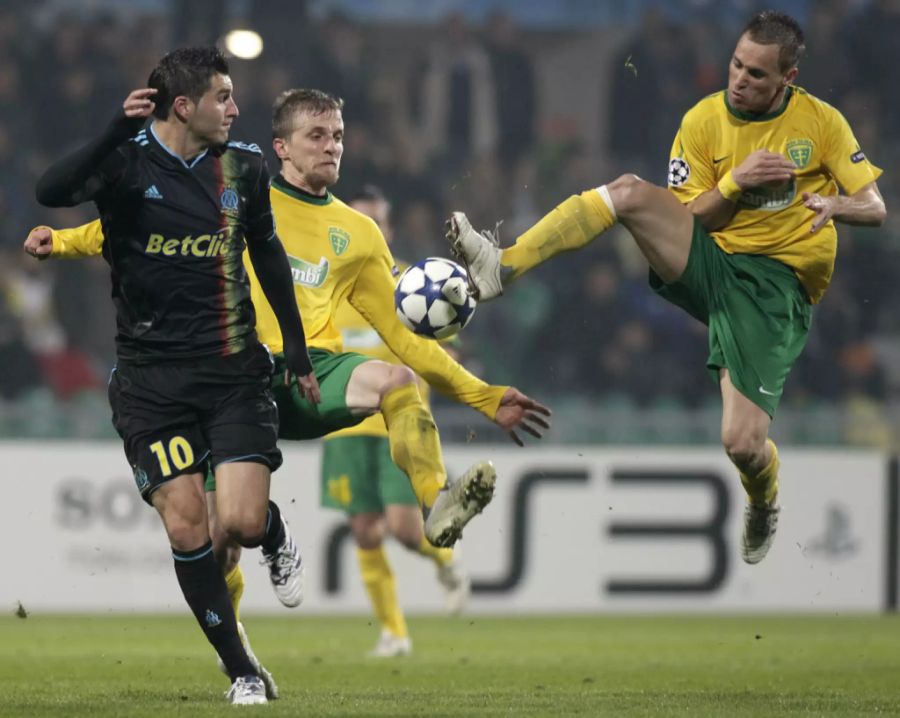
pixel 432 298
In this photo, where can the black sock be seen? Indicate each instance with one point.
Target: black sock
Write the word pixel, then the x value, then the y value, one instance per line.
pixel 204 589
pixel 274 535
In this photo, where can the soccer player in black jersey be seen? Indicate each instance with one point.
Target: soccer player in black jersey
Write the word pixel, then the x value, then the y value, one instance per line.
pixel 178 204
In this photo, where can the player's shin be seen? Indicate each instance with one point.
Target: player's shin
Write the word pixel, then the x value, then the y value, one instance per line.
pixel 570 225
pixel 414 441
pixel 205 591
pixel 763 488
pixel 382 589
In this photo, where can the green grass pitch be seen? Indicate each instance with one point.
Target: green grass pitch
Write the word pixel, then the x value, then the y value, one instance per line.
pixel 471 666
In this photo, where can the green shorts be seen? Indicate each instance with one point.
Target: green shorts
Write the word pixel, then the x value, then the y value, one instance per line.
pixel 757 312
pixel 298 419
pixel 359 476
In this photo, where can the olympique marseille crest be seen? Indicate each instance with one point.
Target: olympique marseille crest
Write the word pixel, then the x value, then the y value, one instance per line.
pixel 340 240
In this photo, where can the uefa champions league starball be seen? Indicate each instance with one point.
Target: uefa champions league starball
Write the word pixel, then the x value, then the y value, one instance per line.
pixel 432 298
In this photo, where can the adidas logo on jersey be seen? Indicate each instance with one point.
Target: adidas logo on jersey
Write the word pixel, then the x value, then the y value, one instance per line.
pixel 152 193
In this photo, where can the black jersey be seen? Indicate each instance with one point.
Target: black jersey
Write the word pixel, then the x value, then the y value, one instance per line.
pixel 175 233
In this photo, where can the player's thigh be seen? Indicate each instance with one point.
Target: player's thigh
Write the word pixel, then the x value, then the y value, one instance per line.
pixel 161 433
pixel 299 418
pixel 368 530
pixel 662 227
pixel 349 479
pixel 745 425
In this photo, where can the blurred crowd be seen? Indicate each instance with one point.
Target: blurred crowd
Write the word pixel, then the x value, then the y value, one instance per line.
pixel 489 117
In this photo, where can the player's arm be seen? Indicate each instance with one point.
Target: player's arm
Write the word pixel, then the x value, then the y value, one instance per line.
pixel 273 271
pixel 864 207
pixel 715 207
pixel 373 297
pixel 861 203
pixel 79 176
pixel 84 241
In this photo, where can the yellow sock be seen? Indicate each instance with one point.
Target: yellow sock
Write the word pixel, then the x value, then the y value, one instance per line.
pixel 570 225
pixel 763 487
pixel 441 556
pixel 415 446
pixel 235 582
pixel 382 589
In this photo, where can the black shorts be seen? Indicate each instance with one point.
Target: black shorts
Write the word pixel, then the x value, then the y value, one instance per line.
pixel 174 417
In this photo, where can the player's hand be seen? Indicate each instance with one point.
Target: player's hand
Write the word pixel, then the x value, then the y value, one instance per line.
pixel 763 167
pixel 39 243
pixel 518 411
pixel 138 103
pixel 824 207
pixel 307 384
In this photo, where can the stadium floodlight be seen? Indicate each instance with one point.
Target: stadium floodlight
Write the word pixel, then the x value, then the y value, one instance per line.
pixel 244 44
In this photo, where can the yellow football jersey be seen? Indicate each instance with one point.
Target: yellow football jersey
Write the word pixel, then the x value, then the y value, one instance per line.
pixel 336 255
pixel 715 138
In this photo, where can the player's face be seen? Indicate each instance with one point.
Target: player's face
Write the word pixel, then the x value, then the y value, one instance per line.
pixel 215 112
pixel 312 153
pixel 755 81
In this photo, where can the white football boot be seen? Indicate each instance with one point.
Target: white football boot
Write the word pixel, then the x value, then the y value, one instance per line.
pixel 266 677
pixel 458 502
pixel 247 691
pixel 286 570
pixel 760 525
pixel 391 646
pixel 480 252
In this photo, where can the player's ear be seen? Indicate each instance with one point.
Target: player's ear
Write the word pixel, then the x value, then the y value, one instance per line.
pixel 279 145
pixel 790 76
pixel 182 107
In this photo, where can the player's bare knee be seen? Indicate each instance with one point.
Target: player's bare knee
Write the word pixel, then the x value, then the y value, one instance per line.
pixel 628 193
pixel 243 527
pixel 745 449
pixel 395 377
pixel 368 530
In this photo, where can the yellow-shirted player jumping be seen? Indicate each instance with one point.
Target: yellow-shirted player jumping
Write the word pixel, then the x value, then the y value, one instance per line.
pixel 744 240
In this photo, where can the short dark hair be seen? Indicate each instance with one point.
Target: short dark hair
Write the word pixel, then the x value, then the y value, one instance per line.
pixel 290 102
pixel 771 27
pixel 186 71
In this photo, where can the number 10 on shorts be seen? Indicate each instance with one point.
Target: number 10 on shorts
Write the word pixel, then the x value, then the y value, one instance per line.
pixel 180 454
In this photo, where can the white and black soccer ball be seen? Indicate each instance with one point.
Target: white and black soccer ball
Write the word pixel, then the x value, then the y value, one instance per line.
pixel 432 298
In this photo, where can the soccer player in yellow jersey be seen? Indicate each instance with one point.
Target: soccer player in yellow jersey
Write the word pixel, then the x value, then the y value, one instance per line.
pixel 359 477
pixel 744 238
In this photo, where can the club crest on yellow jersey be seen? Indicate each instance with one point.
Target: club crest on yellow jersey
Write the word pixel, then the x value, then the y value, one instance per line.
pixel 340 240
pixel 800 152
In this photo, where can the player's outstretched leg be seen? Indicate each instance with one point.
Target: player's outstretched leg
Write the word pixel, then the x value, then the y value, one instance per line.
pixel 459 502
pixel 762 510
pixel 570 225
pixel 282 555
